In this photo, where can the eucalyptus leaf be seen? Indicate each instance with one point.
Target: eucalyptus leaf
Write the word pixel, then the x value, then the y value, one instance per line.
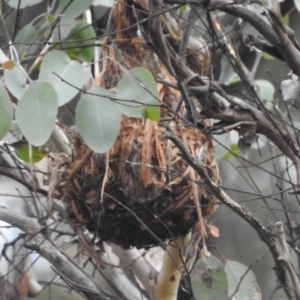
pixel 248 288
pixel 72 72
pixel 235 78
pixel 286 18
pixel 14 133
pixel 9 64
pixel 138 92
pixel 15 81
pixel 182 8
pixel 36 112
pixel 72 10
pixel 234 150
pixel 83 49
pixel 297 4
pixel 23 3
pixel 291 92
pixel 209 280
pixel 266 89
pixel 6 112
pixel 107 3
pixel 37 153
pixel 267 56
pixel 24 38
pixel 98 119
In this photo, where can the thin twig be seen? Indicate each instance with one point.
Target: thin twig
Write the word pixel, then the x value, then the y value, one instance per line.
pixel 265 235
pixel 286 258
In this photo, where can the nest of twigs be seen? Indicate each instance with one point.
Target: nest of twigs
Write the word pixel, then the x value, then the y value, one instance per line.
pixel 141 192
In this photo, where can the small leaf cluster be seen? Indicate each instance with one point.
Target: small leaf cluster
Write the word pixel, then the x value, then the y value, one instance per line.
pixel 62 75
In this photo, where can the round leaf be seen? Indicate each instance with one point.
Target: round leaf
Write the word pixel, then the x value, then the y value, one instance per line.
pixel 74 9
pixel 36 112
pixel 15 81
pixel 85 36
pixel 98 120
pixel 24 38
pixel 248 289
pixel 139 91
pixel 72 72
pixel 209 280
pixel 9 64
pixel 6 112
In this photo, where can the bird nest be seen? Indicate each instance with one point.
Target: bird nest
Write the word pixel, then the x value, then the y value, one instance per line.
pixel 140 192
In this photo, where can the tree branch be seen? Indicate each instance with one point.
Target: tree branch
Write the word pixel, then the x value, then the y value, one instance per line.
pixel 258 17
pixel 281 270
pixel 285 257
pixel 169 276
pixel 139 266
pixel 47 249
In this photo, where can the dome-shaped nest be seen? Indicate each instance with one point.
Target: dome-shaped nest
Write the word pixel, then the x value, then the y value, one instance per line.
pixel 141 192
pixel 148 190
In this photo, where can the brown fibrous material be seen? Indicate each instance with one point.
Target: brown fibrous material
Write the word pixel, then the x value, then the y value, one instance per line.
pixel 140 192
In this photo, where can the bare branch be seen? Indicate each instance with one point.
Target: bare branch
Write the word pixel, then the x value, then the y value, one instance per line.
pixel 258 17
pixel 142 269
pixel 285 257
pixel 264 234
pixel 46 248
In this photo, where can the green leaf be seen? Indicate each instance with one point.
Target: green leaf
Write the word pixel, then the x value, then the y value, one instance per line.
pixel 182 8
pixel 234 150
pixel 266 89
pixel 235 78
pixel 209 280
pixel 85 37
pixel 6 112
pixel 15 81
pixel 267 56
pixel 98 119
pixel 248 289
pixel 51 18
pixel 72 72
pixel 74 10
pixel 23 3
pixel 36 112
pixel 286 19
pixel 37 153
pixel 138 91
pixel 24 38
